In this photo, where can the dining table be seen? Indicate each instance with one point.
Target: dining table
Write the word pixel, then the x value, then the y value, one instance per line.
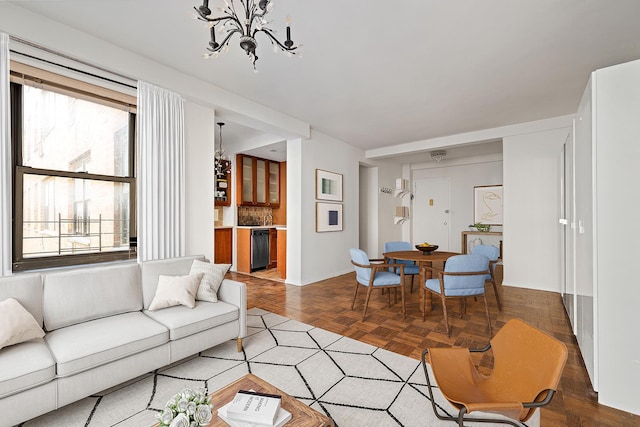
pixel 422 259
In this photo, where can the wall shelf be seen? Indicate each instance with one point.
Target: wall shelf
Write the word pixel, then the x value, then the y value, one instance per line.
pixel 399 219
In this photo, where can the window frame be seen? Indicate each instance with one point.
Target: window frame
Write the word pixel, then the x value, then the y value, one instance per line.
pixel 79 89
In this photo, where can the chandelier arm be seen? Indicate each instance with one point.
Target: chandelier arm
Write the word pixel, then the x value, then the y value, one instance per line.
pixel 229 17
pixel 225 41
pixel 275 40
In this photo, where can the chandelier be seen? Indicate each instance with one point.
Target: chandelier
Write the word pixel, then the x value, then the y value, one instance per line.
pixel 222 164
pixel 247 22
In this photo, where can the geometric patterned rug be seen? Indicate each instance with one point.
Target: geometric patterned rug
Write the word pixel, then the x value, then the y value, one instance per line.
pixel 354 383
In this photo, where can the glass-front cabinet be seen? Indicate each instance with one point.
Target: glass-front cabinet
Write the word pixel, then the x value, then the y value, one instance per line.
pixel 259 182
pixel 261 187
pixel 247 180
pixel 274 183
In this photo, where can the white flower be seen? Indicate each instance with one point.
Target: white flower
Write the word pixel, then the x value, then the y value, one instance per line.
pixel 191 408
pixel 203 414
pixel 165 417
pixel 188 394
pixel 171 402
pixel 181 420
pixel 182 405
pixel 188 408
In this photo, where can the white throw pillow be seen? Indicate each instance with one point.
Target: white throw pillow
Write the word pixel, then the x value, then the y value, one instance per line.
pixel 212 276
pixel 176 290
pixel 18 325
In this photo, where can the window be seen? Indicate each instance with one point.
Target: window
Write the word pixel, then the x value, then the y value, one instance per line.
pixel 74 181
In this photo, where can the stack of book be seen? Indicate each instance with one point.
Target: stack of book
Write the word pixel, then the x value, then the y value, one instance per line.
pixel 252 409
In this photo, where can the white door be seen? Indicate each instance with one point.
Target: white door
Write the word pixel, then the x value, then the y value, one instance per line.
pixel 431 212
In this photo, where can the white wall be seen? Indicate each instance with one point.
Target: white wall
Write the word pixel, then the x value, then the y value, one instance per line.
pixel 531 209
pixel 387 230
pixel 199 133
pixel 295 195
pixel 325 254
pixel 368 210
pixel 463 175
pixel 617 150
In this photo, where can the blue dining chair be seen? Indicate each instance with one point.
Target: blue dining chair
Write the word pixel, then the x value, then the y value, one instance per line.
pixel 493 253
pixel 463 276
pixel 375 274
pixel 410 267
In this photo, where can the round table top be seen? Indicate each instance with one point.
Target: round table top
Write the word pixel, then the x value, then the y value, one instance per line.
pixel 419 255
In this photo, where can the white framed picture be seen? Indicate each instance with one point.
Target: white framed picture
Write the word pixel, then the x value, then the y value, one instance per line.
pixel 328 217
pixel 328 185
pixel 487 203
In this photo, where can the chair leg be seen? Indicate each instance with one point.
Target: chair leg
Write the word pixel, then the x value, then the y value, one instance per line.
pixel 355 295
pixel 366 302
pixel 404 307
pixel 412 276
pixel 444 311
pixel 423 297
pixel 486 309
pixel 495 291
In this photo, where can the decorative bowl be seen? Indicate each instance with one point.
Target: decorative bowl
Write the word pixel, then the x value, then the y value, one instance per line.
pixel 427 249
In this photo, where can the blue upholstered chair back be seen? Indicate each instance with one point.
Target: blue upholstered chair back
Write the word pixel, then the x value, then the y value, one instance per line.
pixel 465 285
pixel 396 246
pixel 359 256
pixel 401 246
pixel 491 252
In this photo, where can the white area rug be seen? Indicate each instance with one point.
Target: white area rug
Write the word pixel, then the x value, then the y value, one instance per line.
pixel 355 384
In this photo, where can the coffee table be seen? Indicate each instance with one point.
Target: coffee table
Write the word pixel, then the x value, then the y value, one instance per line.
pixel 301 414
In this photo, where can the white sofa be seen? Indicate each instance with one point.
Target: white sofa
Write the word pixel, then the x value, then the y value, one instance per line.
pixel 100 333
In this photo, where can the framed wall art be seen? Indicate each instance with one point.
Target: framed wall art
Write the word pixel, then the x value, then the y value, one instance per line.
pixel 487 204
pixel 328 185
pixel 328 217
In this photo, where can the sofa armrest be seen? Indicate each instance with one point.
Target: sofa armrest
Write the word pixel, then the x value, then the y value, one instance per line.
pixel 234 292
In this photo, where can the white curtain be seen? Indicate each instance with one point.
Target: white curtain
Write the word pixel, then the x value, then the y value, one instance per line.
pixel 160 179
pixel 5 160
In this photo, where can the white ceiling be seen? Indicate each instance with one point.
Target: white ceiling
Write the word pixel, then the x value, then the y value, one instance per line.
pixel 379 73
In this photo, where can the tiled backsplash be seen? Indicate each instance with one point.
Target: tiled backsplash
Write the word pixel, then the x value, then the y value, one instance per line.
pixel 249 215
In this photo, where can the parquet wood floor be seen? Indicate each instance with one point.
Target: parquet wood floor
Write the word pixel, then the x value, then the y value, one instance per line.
pixel 327 305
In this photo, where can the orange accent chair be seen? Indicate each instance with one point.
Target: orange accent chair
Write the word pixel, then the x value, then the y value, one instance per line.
pixel 528 364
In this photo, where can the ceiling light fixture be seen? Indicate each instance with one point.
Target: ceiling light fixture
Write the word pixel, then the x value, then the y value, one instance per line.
pixel 438 155
pixel 222 164
pixel 247 24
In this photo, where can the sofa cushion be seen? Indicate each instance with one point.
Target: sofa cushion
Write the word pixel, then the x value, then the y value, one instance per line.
pixel 86 345
pixel 18 325
pixel 24 366
pixel 212 276
pixel 151 271
pixel 182 321
pixel 176 290
pixel 27 290
pixel 81 295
